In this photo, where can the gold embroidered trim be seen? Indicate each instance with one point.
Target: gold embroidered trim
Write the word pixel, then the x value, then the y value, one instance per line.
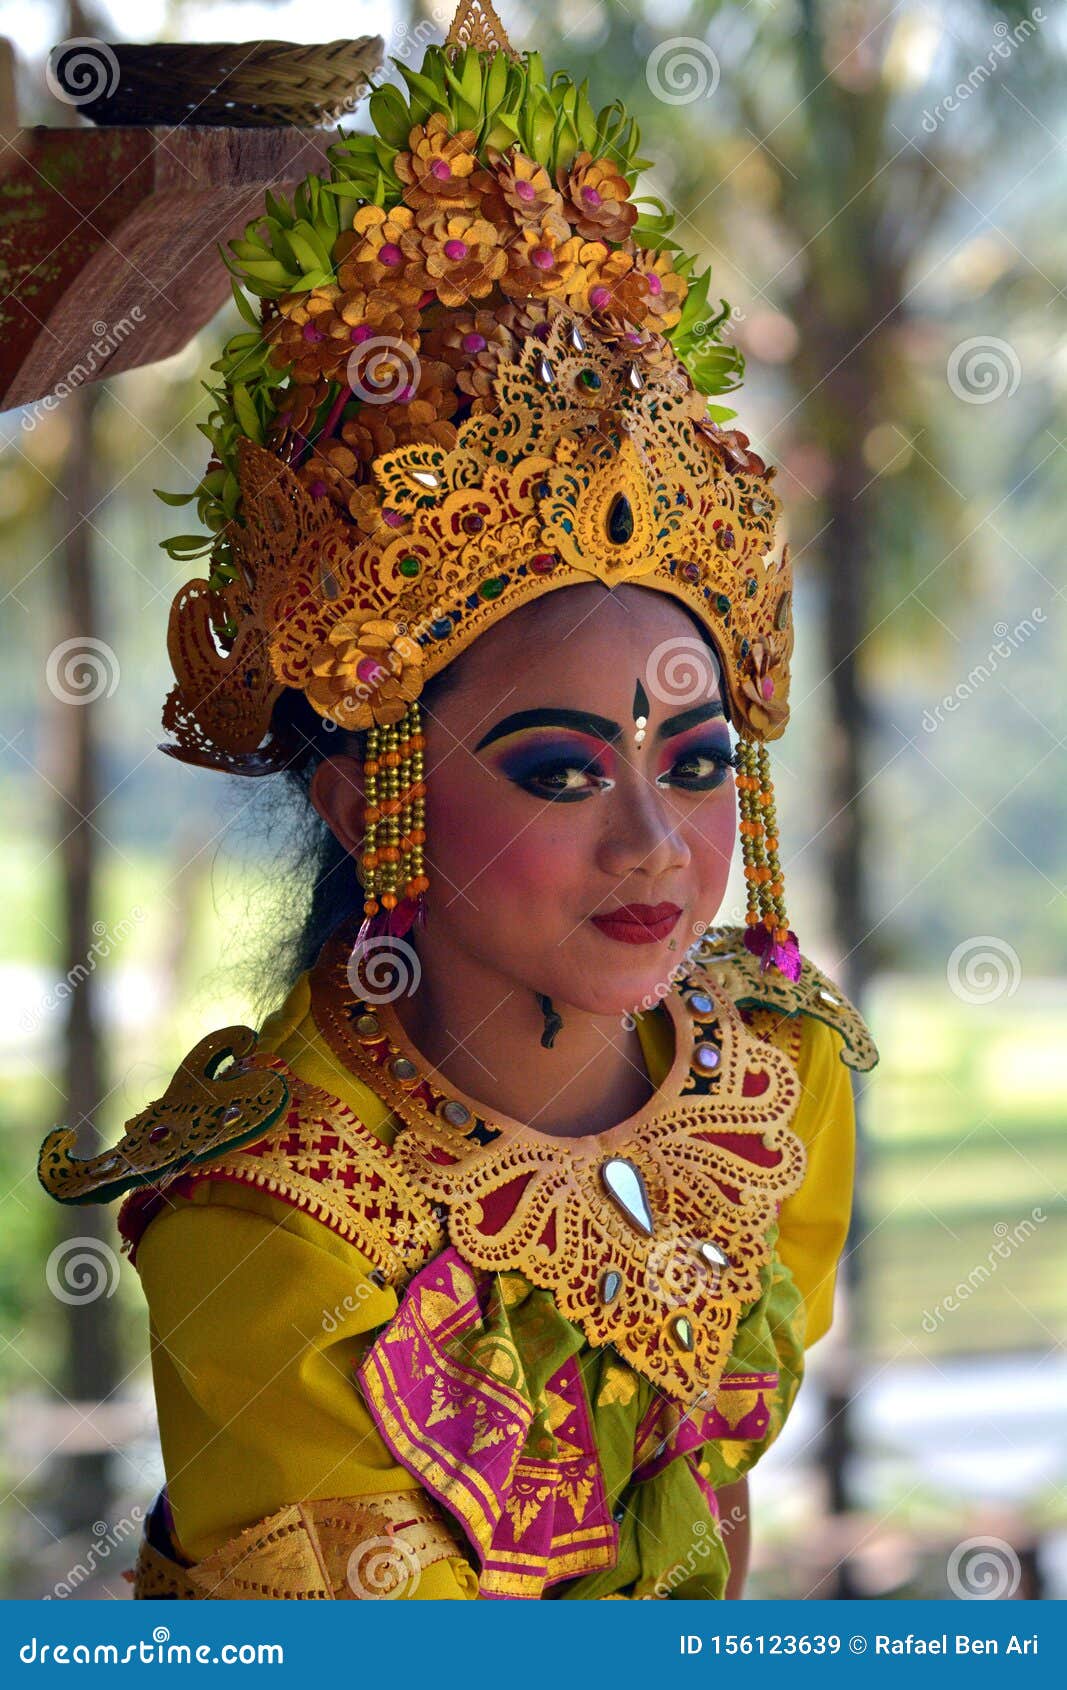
pixel 324 1160
pixel 722 957
pixel 712 1151
pixel 343 1549
pixel 217 1098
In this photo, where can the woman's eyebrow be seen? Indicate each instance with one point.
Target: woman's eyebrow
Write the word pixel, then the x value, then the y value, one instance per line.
pixel 601 727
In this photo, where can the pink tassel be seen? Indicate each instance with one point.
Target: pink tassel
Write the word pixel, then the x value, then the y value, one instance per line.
pixel 392 924
pixel 786 958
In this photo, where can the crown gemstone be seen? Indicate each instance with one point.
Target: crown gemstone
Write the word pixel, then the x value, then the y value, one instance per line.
pixel 543 563
pixel 575 337
pixel 545 372
pixel 626 1188
pixel 441 628
pixel 409 566
pixel 781 615
pixel 610 1286
pixel 492 589
pixel 707 1056
pixel 700 1003
pixel 635 378
pixel 455 1113
pixel 752 586
pixel 620 520
pixel 425 477
pixel 589 378
pixel 402 1069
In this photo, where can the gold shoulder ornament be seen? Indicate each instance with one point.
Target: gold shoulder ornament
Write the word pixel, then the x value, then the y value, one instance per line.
pixel 722 956
pixel 216 1100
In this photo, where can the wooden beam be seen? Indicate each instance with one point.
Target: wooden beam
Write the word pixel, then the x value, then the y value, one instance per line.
pixel 109 242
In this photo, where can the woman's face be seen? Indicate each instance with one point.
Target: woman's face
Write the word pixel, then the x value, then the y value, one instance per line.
pixel 547 810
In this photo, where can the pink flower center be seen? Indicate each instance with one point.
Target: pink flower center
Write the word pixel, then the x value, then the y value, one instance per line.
pixel 542 257
pixel 441 169
pixel 390 253
pixel 526 190
pixel 767 687
pixel 359 334
pixel 370 672
pixel 599 298
pixel 455 250
pixel 312 333
pixel 591 197
pixel 393 518
pixel 318 489
pixel 655 286
pixel 473 342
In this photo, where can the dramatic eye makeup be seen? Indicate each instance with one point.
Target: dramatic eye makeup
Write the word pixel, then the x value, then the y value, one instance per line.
pixel 567 755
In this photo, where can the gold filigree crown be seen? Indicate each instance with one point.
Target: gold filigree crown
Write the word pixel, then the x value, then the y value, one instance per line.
pixel 590 461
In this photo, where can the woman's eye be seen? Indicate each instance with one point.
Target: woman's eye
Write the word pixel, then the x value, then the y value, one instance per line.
pixel 700 770
pixel 564 780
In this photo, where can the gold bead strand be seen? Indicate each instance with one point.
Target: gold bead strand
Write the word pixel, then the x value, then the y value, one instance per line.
pixel 774 906
pixel 419 881
pixel 391 854
pixel 370 860
pixel 751 831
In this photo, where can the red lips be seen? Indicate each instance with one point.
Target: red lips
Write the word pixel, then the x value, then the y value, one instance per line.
pixel 649 914
pixel 638 924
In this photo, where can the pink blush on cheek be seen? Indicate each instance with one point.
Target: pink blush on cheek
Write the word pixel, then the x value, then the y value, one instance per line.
pixel 494 851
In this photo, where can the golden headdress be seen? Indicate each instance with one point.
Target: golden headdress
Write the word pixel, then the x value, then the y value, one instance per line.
pixel 477 374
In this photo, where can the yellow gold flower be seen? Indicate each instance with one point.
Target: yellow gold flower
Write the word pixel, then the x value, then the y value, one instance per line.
pixel 366 671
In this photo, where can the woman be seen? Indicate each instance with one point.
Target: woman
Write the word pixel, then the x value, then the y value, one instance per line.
pixel 486 1268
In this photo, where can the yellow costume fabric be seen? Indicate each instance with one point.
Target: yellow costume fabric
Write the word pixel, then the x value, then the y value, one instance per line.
pixel 259 1314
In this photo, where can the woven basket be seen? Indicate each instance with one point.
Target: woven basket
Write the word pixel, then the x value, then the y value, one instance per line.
pixel 235 85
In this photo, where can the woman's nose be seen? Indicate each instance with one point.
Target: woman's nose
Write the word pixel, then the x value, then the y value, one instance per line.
pixel 640 833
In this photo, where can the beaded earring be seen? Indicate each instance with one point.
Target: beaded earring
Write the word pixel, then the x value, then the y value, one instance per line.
pixel 393 862
pixel 767 934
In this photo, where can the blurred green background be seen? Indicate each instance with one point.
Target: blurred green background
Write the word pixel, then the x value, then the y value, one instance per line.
pixel 875 188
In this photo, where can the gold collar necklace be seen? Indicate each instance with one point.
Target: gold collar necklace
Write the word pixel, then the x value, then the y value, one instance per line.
pixel 652 1234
